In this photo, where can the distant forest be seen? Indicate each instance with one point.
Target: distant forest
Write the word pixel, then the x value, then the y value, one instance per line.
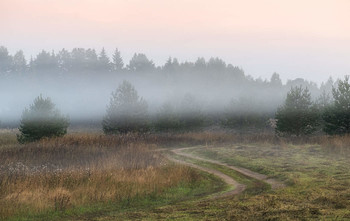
pixel 80 60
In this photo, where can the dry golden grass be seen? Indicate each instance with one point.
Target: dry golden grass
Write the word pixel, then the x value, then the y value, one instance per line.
pixel 335 143
pixel 7 138
pixel 332 143
pixel 60 191
pixel 82 169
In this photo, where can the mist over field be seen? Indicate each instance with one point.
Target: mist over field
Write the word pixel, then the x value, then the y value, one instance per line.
pixel 80 83
pixel 174 110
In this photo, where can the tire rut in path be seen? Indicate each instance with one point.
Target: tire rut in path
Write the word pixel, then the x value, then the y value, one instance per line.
pixel 274 183
pixel 238 187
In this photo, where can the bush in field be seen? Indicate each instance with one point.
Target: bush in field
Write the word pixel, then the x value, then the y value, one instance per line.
pixel 183 116
pixel 167 120
pixel 190 114
pixel 336 116
pixel 42 119
pixel 323 103
pixel 298 116
pixel 127 112
pixel 242 114
pixel 245 121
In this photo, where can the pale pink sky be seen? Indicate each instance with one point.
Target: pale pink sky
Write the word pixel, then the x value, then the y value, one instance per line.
pixel 296 38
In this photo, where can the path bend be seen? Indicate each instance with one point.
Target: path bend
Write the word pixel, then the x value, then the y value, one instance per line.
pixel 275 184
pixel 238 187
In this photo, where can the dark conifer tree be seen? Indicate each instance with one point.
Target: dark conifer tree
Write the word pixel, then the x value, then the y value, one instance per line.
pixel 126 112
pixel 118 63
pixel 19 62
pixel 140 62
pixel 298 115
pixel 104 63
pixel 5 60
pixel 40 120
pixel 337 115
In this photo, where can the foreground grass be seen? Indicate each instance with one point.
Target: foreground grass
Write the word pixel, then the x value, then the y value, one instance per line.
pixel 253 186
pixel 125 209
pixel 122 178
pixel 86 176
pixel 317 181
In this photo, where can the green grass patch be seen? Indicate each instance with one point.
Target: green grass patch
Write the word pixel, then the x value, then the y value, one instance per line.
pixel 253 186
pixel 317 181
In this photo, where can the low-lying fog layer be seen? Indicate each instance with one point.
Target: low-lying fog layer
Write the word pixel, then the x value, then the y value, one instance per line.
pixel 80 83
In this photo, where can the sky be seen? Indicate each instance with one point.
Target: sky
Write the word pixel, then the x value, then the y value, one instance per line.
pixel 295 38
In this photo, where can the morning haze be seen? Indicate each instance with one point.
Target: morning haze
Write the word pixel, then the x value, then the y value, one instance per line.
pixel 81 82
pixel 174 110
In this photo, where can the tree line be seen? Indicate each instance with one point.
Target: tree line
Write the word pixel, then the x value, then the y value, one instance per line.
pixel 88 60
pixel 81 62
pixel 300 116
pixel 128 112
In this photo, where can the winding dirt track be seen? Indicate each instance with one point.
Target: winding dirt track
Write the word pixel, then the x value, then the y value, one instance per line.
pixel 238 186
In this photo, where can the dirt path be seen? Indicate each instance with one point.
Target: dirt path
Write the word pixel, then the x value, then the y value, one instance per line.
pixel 274 183
pixel 238 187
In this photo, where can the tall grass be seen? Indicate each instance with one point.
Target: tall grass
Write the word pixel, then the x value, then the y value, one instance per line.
pixel 82 169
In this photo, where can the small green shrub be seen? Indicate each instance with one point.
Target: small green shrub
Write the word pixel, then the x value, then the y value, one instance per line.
pixel 42 119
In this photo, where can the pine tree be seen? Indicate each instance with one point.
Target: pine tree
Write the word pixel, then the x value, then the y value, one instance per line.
pixel 118 63
pixel 140 62
pixel 103 61
pixel 275 80
pixel 298 116
pixel 42 119
pixel 64 60
pixel 127 112
pixel 19 62
pixel 167 120
pixel 337 115
pixel 5 60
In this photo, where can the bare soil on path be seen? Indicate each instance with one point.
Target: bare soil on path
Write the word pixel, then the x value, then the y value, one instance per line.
pixel 238 187
pixel 275 184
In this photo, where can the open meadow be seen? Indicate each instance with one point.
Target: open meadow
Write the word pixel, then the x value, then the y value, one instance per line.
pixel 91 176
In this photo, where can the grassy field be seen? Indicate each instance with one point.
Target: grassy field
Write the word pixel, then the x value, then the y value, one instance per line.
pixel 317 181
pixel 89 176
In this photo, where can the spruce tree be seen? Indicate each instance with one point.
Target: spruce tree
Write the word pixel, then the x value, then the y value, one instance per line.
pixel 337 116
pixel 118 63
pixel 298 115
pixel 126 112
pixel 40 120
